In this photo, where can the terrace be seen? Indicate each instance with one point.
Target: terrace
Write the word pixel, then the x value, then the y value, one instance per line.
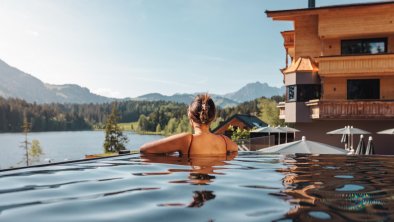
pixel 351 109
pixel 356 65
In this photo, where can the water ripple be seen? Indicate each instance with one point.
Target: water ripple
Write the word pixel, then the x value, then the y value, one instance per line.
pixel 247 187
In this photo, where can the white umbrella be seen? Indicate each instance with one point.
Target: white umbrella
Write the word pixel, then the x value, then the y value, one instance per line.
pixel 345 140
pixel 350 131
pixel 287 129
pixel 304 146
pixel 268 129
pixel 360 150
pixel 370 147
pixel 388 131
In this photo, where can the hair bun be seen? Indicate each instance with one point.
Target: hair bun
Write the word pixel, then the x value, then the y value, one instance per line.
pixel 202 110
pixel 204 116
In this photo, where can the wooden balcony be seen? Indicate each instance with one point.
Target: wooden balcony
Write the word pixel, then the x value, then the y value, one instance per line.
pixel 281 107
pixel 351 109
pixel 288 37
pixel 371 65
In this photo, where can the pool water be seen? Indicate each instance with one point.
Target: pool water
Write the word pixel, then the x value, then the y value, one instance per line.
pixel 247 187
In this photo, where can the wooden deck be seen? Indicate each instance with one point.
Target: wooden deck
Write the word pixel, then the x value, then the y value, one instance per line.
pixel 351 109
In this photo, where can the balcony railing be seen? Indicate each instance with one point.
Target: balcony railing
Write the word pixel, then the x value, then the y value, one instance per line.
pixel 288 37
pixel 351 109
pixel 356 65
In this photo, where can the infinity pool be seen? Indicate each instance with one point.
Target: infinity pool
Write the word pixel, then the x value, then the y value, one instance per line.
pixel 248 187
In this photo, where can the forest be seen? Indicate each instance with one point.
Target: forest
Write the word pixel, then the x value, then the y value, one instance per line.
pixel 159 116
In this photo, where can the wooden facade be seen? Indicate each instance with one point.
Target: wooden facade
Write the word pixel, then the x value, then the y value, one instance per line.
pixel 335 89
pixel 318 34
pixel 356 82
pixel 356 21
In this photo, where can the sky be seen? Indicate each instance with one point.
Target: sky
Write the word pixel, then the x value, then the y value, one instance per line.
pixel 127 48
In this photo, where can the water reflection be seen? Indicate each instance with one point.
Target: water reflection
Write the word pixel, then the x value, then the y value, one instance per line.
pixel 357 188
pixel 202 171
pixel 200 197
pixel 250 187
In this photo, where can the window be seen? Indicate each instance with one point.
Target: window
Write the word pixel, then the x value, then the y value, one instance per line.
pixel 308 92
pixel 291 93
pixel 303 93
pixel 363 89
pixel 364 46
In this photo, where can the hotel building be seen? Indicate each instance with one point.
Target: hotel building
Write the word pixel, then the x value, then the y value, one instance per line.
pixel 340 70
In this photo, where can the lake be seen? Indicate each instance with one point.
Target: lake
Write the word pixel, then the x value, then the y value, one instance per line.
pixel 61 146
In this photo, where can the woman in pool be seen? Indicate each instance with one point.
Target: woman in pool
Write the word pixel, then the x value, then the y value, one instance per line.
pixel 201 113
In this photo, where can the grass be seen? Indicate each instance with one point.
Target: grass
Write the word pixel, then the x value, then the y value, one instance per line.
pixel 128 126
pixel 132 126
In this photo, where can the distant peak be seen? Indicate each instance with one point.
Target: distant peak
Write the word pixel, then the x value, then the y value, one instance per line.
pixel 258 83
pixel 254 90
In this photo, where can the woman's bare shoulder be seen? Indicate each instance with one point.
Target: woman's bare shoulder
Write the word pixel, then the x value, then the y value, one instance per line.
pixel 174 143
pixel 179 136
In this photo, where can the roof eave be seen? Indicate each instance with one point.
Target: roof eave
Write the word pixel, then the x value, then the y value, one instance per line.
pixel 291 14
pixel 283 15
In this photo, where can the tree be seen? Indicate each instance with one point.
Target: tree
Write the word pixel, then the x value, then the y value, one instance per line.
pixel 269 112
pixel 158 128
pixel 114 138
pixel 238 135
pixel 143 123
pixel 171 126
pixel 216 123
pixel 35 151
pixel 26 126
pixel 278 99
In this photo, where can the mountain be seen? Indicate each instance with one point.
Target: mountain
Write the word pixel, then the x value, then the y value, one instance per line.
pixel 179 98
pixel 72 93
pixel 249 92
pixel 186 98
pixel 18 84
pixel 253 91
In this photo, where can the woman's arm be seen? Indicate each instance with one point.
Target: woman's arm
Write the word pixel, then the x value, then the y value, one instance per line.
pixel 175 143
pixel 231 145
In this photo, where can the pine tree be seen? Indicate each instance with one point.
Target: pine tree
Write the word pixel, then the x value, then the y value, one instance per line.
pixel 143 123
pixel 158 128
pixel 26 126
pixel 114 138
pixel 35 151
